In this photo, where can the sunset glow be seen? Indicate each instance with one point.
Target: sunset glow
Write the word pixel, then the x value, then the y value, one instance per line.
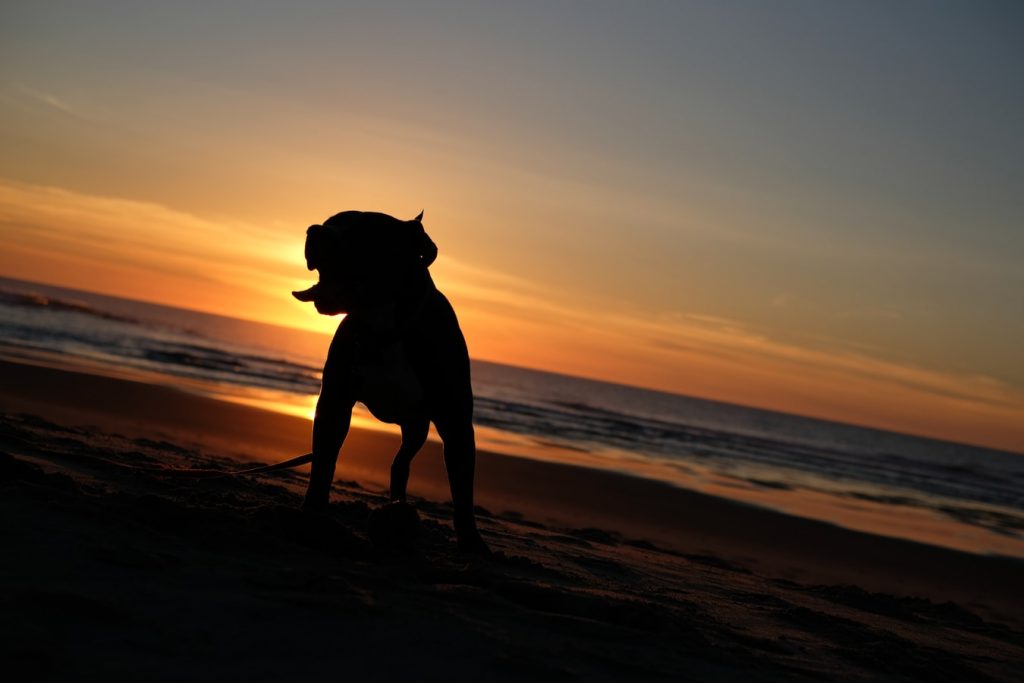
pixel 791 234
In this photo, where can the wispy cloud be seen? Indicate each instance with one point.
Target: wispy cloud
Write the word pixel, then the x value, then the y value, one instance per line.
pixel 49 100
pixel 868 313
pixel 112 232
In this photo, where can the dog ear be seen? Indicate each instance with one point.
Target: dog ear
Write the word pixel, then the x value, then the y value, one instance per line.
pixel 315 237
pixel 418 219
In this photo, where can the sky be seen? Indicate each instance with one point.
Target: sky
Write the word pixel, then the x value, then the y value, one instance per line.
pixel 803 206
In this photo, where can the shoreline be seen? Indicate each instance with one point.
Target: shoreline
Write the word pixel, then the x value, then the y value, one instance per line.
pixel 959 524
pixel 569 496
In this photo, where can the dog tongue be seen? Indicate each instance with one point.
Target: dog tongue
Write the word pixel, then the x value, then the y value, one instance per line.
pixel 306 294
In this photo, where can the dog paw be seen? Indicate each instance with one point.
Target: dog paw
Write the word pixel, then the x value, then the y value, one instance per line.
pixel 473 544
pixel 396 526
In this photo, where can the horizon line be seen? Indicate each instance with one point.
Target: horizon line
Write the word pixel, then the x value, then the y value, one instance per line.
pixel 639 387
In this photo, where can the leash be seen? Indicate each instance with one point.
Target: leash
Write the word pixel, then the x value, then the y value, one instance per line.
pixel 213 474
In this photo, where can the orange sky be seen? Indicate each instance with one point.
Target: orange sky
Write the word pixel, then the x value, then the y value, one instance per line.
pixel 146 251
pixel 667 198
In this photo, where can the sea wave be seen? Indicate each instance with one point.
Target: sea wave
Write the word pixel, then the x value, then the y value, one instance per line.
pixel 233 367
pixel 789 463
pixel 36 300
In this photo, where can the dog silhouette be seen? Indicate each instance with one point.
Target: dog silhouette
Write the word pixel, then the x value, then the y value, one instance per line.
pixel 399 351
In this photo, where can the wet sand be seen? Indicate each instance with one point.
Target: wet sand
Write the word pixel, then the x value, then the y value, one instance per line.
pixel 114 571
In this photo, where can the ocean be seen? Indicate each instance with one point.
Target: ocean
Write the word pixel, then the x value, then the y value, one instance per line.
pixel 930 491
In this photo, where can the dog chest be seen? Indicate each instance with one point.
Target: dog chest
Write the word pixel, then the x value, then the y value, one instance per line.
pixel 387 385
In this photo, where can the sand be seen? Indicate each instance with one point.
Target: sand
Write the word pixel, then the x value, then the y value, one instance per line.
pixel 112 572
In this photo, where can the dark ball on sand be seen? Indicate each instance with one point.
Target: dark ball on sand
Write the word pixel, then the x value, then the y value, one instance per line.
pixel 395 526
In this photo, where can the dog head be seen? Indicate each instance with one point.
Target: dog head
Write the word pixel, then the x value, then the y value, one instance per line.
pixel 338 286
pixel 357 253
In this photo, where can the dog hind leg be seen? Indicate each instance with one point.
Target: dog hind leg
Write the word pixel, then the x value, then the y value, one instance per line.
pixel 414 435
pixel 460 463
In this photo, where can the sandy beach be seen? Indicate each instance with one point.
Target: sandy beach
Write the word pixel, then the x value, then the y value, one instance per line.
pixel 113 571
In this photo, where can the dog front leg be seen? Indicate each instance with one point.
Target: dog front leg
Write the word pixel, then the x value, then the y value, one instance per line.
pixel 330 427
